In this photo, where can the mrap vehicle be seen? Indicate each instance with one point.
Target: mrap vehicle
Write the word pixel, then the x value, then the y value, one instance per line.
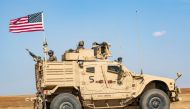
pixel 86 78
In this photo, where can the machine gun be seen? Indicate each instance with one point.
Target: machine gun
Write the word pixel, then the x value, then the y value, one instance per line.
pixel 101 50
pixel 36 58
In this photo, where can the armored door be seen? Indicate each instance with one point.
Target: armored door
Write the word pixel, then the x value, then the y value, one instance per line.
pixel 92 79
pixel 118 78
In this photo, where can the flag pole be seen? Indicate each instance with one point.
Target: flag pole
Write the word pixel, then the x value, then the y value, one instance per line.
pixel 45 47
pixel 45 44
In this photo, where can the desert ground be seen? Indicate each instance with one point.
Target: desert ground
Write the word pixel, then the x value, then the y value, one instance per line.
pixel 18 102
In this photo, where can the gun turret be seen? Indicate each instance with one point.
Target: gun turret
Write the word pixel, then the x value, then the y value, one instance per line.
pixel 36 58
pixel 101 50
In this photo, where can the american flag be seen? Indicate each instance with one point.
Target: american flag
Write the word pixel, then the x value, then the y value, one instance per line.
pixel 29 23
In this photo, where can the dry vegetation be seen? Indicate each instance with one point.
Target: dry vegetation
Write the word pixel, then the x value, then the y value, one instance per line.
pixel 18 102
pixel 14 102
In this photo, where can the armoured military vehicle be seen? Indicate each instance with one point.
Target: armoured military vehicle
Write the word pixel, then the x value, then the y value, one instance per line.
pixel 86 78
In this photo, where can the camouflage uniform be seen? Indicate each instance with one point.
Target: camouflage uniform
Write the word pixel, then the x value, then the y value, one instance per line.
pixel 52 58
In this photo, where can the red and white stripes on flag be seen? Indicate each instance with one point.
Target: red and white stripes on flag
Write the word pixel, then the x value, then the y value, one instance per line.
pixel 29 23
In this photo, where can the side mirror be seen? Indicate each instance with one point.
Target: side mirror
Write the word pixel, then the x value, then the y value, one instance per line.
pixel 178 76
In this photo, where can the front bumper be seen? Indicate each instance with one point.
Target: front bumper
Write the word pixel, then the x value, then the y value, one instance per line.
pixel 175 95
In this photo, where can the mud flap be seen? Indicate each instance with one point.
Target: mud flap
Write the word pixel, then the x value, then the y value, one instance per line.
pixel 38 103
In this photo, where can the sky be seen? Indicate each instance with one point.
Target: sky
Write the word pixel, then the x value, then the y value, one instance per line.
pixel 149 34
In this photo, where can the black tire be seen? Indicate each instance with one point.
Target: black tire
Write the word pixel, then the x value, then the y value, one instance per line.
pixel 47 105
pixel 65 101
pixel 154 99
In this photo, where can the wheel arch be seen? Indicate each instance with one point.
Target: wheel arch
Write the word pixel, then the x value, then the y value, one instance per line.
pixel 71 90
pixel 157 84
pixel 59 90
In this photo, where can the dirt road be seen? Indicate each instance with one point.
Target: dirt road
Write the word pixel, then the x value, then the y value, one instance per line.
pixel 18 102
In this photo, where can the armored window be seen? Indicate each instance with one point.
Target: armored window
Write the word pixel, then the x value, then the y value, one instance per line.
pixel 90 69
pixel 113 69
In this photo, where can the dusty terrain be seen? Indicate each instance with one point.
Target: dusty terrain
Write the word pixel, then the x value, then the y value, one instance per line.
pixel 18 102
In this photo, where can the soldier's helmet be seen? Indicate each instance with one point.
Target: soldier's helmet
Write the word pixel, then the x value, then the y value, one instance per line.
pixel 50 52
pixel 81 43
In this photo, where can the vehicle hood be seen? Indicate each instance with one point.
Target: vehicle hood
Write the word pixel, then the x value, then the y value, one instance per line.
pixel 158 78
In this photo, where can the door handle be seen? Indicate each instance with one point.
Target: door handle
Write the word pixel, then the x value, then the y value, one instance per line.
pixel 100 81
pixel 110 81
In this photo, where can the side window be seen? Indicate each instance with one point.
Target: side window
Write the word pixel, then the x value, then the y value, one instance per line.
pixel 90 70
pixel 113 69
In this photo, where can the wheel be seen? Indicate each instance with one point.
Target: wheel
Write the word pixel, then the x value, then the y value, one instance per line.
pixel 65 101
pixel 154 99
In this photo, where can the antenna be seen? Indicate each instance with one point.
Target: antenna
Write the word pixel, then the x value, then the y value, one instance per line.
pixel 139 42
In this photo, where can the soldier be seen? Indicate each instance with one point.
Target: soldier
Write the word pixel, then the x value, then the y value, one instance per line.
pixel 80 45
pixel 52 57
